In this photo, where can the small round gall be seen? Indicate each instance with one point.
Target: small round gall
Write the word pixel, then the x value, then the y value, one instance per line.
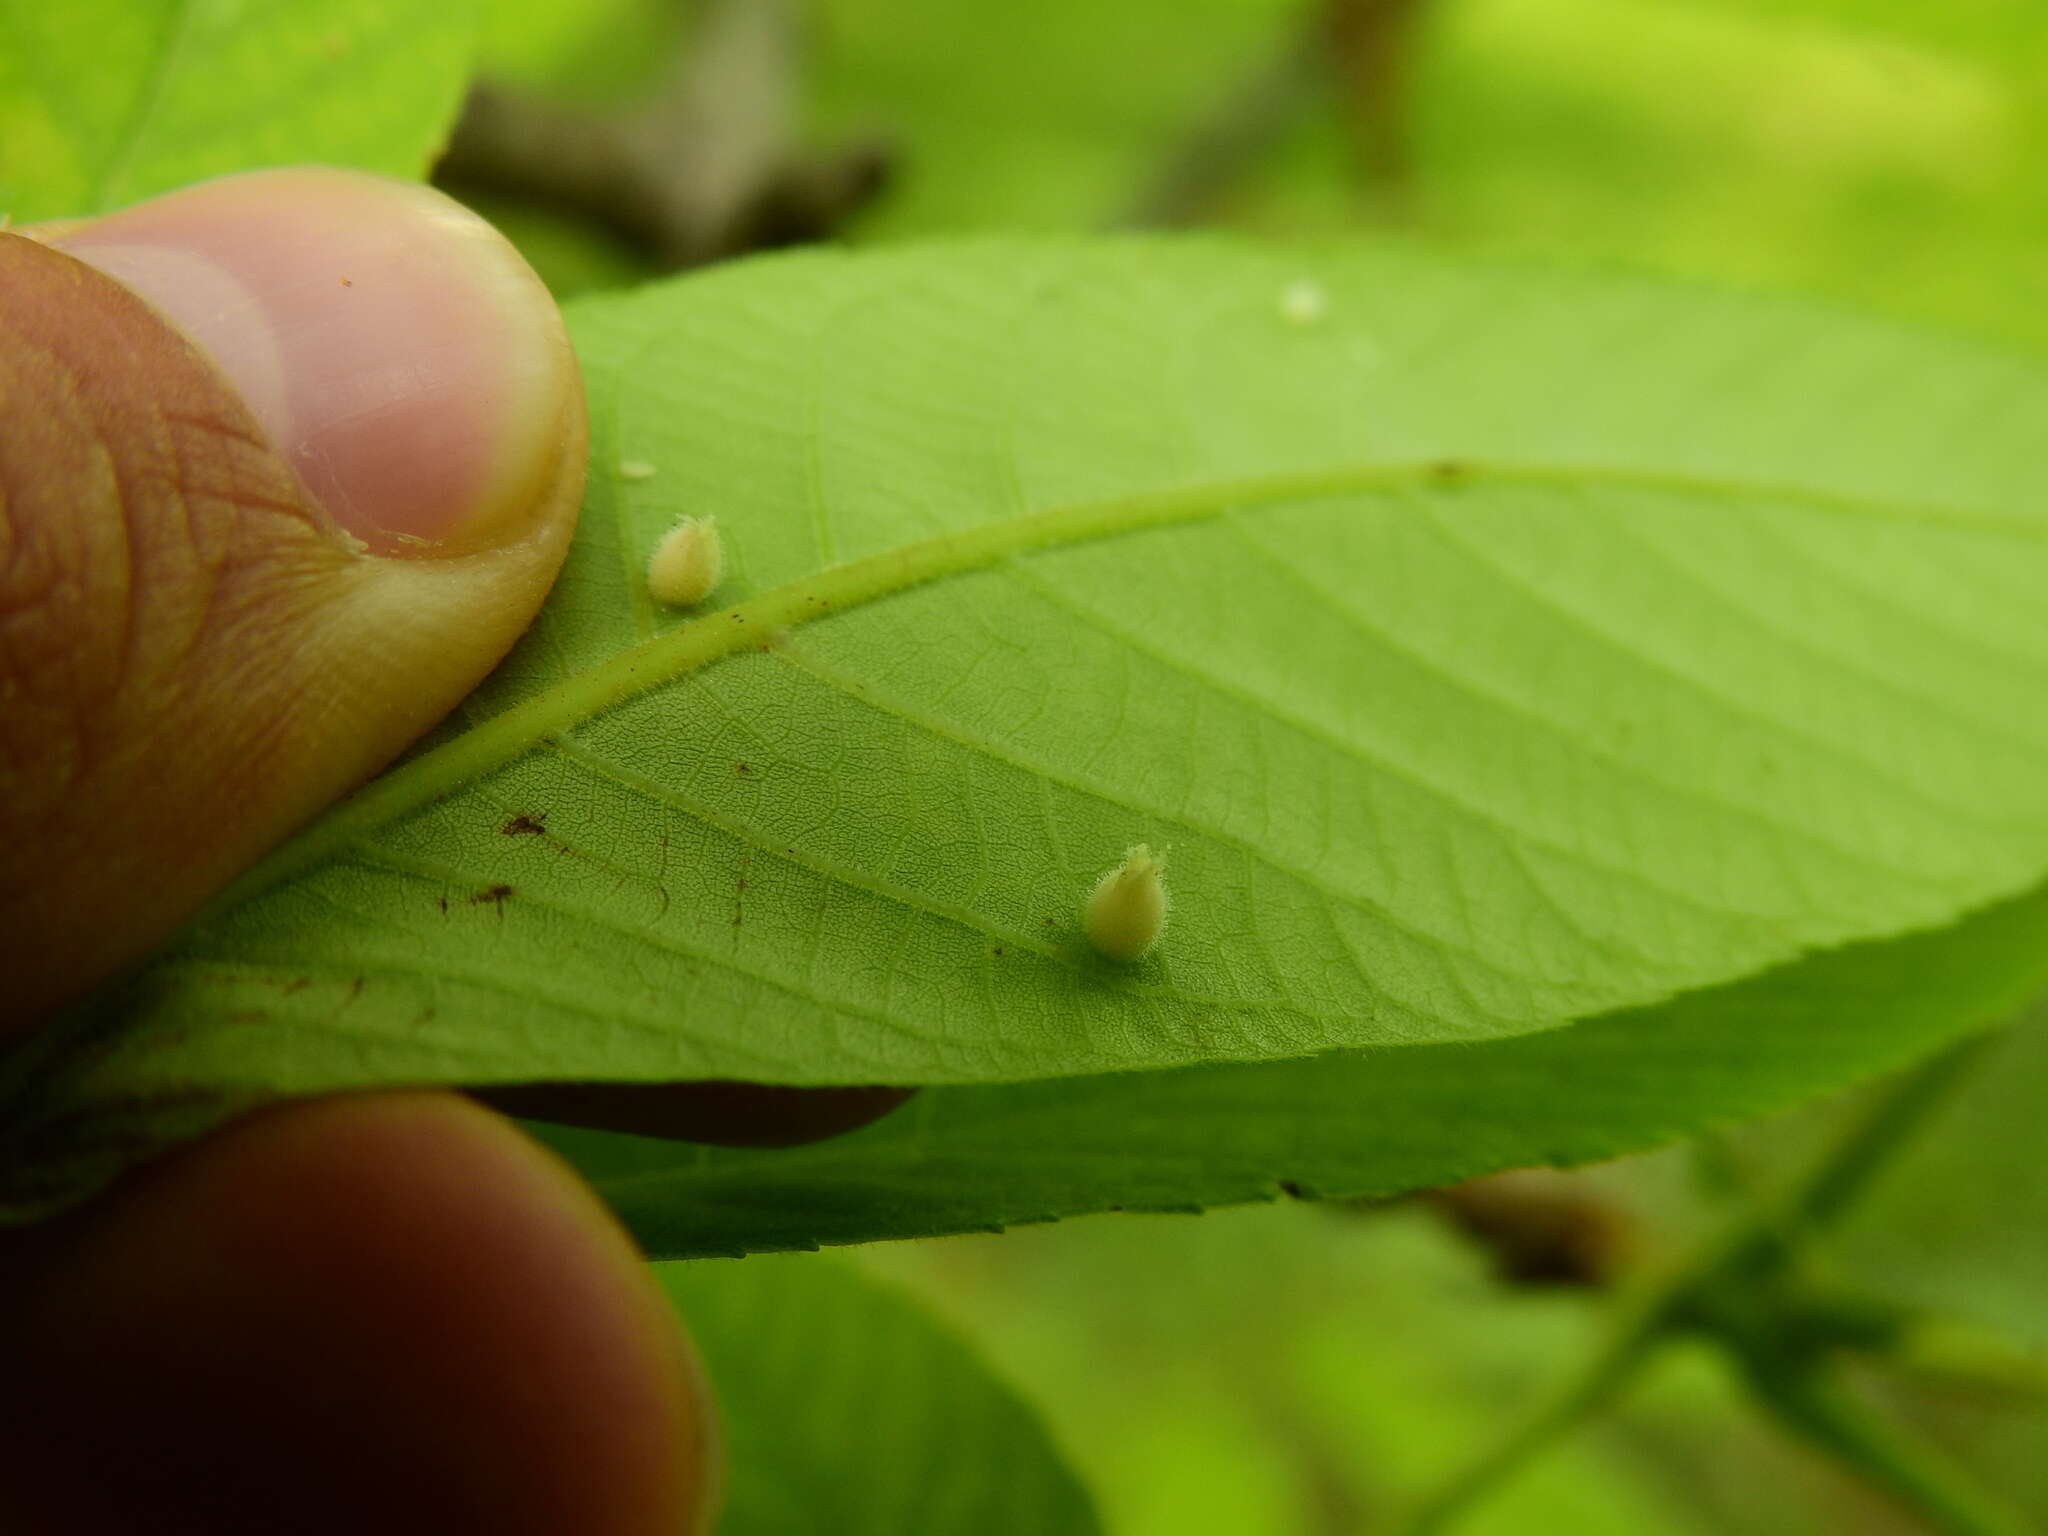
pixel 1126 912
pixel 688 563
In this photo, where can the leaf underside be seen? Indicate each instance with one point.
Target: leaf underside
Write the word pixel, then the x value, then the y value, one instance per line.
pixel 1492 649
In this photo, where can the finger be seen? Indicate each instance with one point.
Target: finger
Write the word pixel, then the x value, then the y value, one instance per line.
pixel 267 512
pixel 386 1313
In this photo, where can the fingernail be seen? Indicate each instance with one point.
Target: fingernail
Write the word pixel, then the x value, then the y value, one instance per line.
pixel 397 349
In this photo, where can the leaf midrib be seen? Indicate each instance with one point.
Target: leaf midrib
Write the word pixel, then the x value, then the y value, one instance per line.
pixel 692 646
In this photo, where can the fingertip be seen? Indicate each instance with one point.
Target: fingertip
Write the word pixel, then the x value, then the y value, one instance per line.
pixel 396 349
pixel 197 658
pixel 385 1312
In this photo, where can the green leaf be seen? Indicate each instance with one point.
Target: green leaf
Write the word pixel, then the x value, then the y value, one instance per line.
pixel 1491 648
pixel 848 1409
pixel 106 102
pixel 1363 1124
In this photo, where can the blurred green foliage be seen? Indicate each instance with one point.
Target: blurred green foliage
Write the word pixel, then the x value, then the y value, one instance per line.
pixel 1889 154
pixel 1959 1221
pixel 1296 1370
pixel 1030 117
pixel 1771 143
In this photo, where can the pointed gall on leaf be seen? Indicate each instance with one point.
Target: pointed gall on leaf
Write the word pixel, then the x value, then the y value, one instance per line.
pixel 687 564
pixel 1126 911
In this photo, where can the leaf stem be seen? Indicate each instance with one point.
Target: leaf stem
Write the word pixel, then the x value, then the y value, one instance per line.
pixel 1822 1413
pixel 1846 1172
pixel 1601 1380
pixel 1740 1267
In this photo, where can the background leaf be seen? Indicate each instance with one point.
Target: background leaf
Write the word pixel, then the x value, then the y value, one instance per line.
pixel 848 1408
pixel 1493 649
pixel 106 102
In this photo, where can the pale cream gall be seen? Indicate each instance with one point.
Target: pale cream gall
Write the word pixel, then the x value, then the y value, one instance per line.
pixel 688 563
pixel 1126 912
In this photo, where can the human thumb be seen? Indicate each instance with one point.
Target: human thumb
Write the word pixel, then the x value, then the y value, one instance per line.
pixel 289 460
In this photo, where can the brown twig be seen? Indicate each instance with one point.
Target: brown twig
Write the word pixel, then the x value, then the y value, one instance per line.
pixel 1360 51
pixel 707 166
pixel 1372 45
